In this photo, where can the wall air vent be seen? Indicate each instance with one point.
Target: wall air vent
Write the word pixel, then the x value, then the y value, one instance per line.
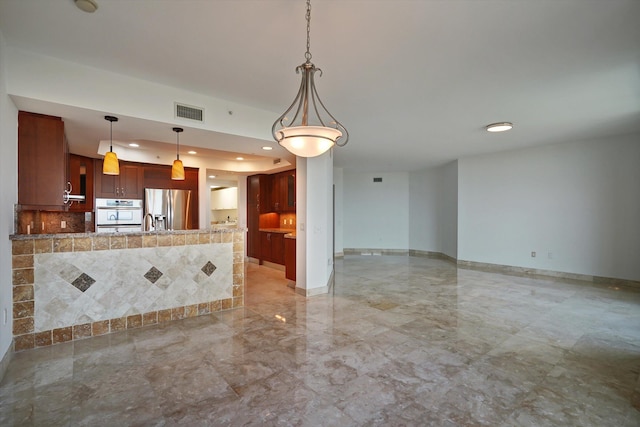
pixel 276 161
pixel 189 112
pixel 377 179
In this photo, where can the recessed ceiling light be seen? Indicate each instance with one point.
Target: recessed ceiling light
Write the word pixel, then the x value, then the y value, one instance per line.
pixel 134 145
pixel 499 127
pixel 239 158
pixel 266 147
pixel 212 176
pixel 215 186
pixel 192 152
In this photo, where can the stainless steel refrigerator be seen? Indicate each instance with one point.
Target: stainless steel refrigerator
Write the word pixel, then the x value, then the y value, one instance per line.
pixel 166 209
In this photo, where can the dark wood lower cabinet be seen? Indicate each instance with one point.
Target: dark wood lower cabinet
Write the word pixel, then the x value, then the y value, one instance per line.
pixel 290 259
pixel 272 247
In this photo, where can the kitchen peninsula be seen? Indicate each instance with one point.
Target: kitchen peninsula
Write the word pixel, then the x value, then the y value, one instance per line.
pixel 74 286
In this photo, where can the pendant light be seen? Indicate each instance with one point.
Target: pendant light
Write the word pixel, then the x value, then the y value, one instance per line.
pixel 309 129
pixel 177 170
pixel 110 165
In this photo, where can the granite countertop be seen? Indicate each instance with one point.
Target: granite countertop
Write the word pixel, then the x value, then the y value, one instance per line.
pixel 289 233
pixel 131 233
pixel 278 230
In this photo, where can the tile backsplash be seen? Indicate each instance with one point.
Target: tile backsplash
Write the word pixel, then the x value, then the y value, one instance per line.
pixel 47 222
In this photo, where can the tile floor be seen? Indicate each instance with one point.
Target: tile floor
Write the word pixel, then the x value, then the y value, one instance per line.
pixel 402 341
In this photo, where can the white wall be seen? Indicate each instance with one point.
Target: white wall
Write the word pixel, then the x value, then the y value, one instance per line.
pixel 67 83
pixel 433 209
pixel 578 201
pixel 448 210
pixel 338 183
pixel 8 198
pixel 316 217
pixel 376 214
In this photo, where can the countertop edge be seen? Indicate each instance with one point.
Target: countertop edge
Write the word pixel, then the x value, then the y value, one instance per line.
pixel 133 233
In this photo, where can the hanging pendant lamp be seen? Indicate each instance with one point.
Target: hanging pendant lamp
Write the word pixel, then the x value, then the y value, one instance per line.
pixel 177 170
pixel 110 165
pixel 307 128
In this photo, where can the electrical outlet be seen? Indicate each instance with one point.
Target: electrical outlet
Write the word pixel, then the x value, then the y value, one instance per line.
pixel 63 224
pixel 533 254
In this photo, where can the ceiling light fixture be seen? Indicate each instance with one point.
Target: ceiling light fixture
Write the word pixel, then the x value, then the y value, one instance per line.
pixel 134 145
pixel 499 127
pixel 177 170
pixel 192 152
pixel 267 148
pixel 110 165
pixel 308 131
pixel 88 6
pixel 239 158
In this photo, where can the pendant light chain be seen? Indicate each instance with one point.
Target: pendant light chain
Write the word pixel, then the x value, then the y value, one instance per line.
pixel 307 55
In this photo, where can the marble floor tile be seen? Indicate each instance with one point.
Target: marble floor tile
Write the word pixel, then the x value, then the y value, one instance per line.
pixel 399 341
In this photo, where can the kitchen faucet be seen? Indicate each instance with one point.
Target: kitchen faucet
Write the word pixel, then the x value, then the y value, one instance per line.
pixel 152 223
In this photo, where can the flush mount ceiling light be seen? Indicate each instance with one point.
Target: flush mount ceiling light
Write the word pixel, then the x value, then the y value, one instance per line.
pixel 307 128
pixel 499 127
pixel 88 6
pixel 134 145
pixel 177 170
pixel 110 165
pixel 192 152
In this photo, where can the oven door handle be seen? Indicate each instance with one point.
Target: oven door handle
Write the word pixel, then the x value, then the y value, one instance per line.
pixel 113 208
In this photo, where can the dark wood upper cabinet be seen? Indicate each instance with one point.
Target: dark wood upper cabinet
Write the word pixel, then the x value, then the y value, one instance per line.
pixel 283 191
pixel 127 185
pixel 81 172
pixel 159 176
pixel 259 193
pixel 289 198
pixel 42 162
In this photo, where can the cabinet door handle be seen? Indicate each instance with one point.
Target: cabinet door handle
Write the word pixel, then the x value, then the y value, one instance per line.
pixel 117 191
pixel 122 190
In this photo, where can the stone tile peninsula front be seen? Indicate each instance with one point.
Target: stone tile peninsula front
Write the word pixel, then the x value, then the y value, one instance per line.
pixel 73 286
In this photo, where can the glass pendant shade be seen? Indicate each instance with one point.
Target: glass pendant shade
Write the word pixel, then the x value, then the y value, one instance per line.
pixel 110 165
pixel 308 141
pixel 177 170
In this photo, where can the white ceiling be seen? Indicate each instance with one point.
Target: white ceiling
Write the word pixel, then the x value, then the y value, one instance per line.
pixel 414 82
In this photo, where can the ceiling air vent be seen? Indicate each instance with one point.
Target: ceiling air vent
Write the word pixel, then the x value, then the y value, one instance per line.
pixel 377 179
pixel 189 112
pixel 276 161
